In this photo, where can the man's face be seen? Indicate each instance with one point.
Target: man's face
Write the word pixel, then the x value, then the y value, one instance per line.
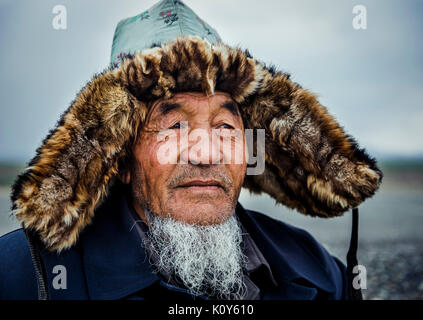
pixel 202 182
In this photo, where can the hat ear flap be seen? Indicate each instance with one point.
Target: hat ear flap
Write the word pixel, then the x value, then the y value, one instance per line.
pixel 75 165
pixel 311 164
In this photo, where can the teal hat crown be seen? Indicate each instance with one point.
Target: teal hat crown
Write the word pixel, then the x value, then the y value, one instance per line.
pixel 163 22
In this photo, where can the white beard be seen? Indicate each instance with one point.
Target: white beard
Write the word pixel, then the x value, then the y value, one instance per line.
pixel 207 259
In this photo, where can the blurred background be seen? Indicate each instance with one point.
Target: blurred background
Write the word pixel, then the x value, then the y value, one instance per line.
pixel 370 79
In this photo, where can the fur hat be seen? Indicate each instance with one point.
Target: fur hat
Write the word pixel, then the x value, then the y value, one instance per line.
pixel 312 165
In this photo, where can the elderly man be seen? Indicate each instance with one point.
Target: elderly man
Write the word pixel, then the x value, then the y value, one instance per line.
pixel 134 195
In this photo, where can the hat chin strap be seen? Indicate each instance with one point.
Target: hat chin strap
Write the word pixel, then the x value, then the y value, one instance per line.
pixel 354 294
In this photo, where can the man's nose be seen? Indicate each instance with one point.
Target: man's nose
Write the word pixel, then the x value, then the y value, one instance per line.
pixel 203 148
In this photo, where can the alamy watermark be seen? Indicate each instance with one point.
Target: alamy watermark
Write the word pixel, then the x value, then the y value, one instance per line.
pixel 60 281
pixel 59 21
pixel 359 21
pixel 360 280
pixel 221 146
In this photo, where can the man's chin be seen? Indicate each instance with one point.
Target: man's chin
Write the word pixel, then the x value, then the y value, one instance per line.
pixel 203 213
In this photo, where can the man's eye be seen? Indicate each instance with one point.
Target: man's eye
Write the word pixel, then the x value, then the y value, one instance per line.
pixel 176 126
pixel 226 126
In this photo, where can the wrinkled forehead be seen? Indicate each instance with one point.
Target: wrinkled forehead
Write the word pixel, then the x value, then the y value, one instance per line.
pixel 193 102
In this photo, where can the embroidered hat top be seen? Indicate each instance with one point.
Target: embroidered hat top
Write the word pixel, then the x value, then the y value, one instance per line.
pixel 163 22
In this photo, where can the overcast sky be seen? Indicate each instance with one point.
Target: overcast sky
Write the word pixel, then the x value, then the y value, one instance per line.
pixel 370 80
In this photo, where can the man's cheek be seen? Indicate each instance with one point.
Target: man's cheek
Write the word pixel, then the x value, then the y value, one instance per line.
pixel 233 148
pixel 238 174
pixel 166 149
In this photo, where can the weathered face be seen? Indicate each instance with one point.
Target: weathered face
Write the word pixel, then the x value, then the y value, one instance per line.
pixel 191 173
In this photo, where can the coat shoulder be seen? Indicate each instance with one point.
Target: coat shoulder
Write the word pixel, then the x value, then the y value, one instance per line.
pixel 17 274
pixel 279 230
pixel 306 255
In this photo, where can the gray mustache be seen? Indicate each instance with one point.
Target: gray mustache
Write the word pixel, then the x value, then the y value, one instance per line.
pixel 187 172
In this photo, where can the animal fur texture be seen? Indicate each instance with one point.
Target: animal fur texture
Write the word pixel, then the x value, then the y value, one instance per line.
pixel 311 164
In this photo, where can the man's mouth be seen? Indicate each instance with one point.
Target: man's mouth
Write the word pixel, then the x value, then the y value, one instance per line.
pixel 201 185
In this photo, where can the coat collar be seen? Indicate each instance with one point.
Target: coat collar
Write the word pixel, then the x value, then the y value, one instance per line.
pixel 292 261
pixel 116 264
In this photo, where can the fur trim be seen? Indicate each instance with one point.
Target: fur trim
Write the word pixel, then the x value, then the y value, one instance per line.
pixel 311 164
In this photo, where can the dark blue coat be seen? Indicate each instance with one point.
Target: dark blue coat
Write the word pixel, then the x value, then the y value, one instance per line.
pixel 108 262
